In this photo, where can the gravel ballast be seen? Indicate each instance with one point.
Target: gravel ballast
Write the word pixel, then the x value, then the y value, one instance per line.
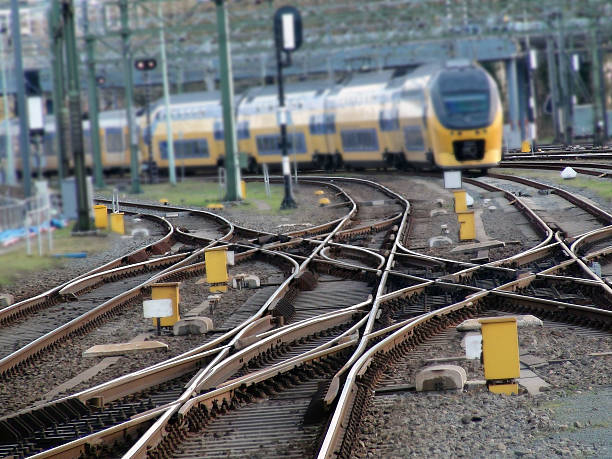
pixel 570 418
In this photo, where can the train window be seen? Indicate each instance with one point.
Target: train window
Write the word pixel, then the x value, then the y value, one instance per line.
pixel 462 104
pixel 186 149
pixel 359 140
pixel 114 140
pixel 218 130
pixel 242 132
pixel 322 124
pixel 316 125
pixel 269 144
pixel 330 123
pixel 388 120
pixel 413 138
pixel 48 147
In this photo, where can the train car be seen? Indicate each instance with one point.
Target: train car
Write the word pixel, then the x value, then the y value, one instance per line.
pixel 445 116
pixel 114 141
pixel 356 106
pixel 197 130
pixel 258 126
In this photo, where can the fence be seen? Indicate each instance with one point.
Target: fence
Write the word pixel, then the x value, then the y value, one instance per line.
pixel 25 218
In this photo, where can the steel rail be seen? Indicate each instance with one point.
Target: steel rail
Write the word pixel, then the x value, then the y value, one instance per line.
pixel 369 326
pixel 333 436
pixel 571 197
pixel 24 307
pixel 155 433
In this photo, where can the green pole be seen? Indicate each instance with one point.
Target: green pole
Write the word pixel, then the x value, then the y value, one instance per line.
pixel 129 91
pixel 24 135
pixel 164 64
pixel 232 166
pixel 598 120
pixel 59 108
pixel 92 91
pixel 9 165
pixel 76 124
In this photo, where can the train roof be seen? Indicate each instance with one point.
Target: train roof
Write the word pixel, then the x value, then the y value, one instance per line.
pixel 302 89
pixel 189 98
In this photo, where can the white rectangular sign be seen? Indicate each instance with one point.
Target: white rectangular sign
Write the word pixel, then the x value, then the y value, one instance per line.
pixel 157 308
pixel 288 32
pixel 35 113
pixel 452 179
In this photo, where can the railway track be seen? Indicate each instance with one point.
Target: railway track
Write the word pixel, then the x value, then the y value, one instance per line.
pixel 296 364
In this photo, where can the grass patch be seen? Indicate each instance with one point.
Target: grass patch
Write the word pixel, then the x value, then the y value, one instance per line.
pixel 194 192
pixel 17 261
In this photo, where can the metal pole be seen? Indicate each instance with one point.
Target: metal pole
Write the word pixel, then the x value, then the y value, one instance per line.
pixel 563 78
pixel 129 90
pixel 24 142
pixel 531 110
pixel 599 112
pixel 232 165
pixel 513 102
pixel 9 165
pixel 554 88
pixel 76 124
pixel 59 108
pixel 149 133
pixel 288 201
pixel 164 63
pixel 92 91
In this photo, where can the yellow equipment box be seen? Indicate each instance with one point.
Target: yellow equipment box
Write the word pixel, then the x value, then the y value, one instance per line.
pixel 167 290
pixel 100 216
pixel 460 201
pixel 216 269
pixel 117 225
pixel 500 351
pixel 467 230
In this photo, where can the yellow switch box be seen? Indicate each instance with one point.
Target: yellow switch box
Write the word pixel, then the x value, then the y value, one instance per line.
pixel 319 192
pixel 460 201
pixel 500 351
pixel 117 225
pixel 467 229
pixel 507 389
pixel 525 146
pixel 243 188
pixel 167 290
pixel 216 269
pixel 323 201
pixel 100 216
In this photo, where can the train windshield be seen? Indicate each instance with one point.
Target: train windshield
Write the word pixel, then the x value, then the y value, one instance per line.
pixel 464 99
pixel 463 104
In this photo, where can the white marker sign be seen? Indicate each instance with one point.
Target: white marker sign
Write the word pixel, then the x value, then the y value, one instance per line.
pixel 288 32
pixel 157 308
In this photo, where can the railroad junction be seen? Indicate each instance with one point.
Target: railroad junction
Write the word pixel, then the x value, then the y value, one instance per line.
pixel 319 354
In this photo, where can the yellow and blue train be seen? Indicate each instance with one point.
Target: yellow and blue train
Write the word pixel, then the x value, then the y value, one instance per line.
pixel 447 116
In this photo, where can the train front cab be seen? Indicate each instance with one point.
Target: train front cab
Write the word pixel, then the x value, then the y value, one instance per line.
pixel 464 121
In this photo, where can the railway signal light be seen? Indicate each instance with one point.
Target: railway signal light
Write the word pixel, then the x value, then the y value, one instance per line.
pixel 145 64
pixel 288 28
pixel 287 38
